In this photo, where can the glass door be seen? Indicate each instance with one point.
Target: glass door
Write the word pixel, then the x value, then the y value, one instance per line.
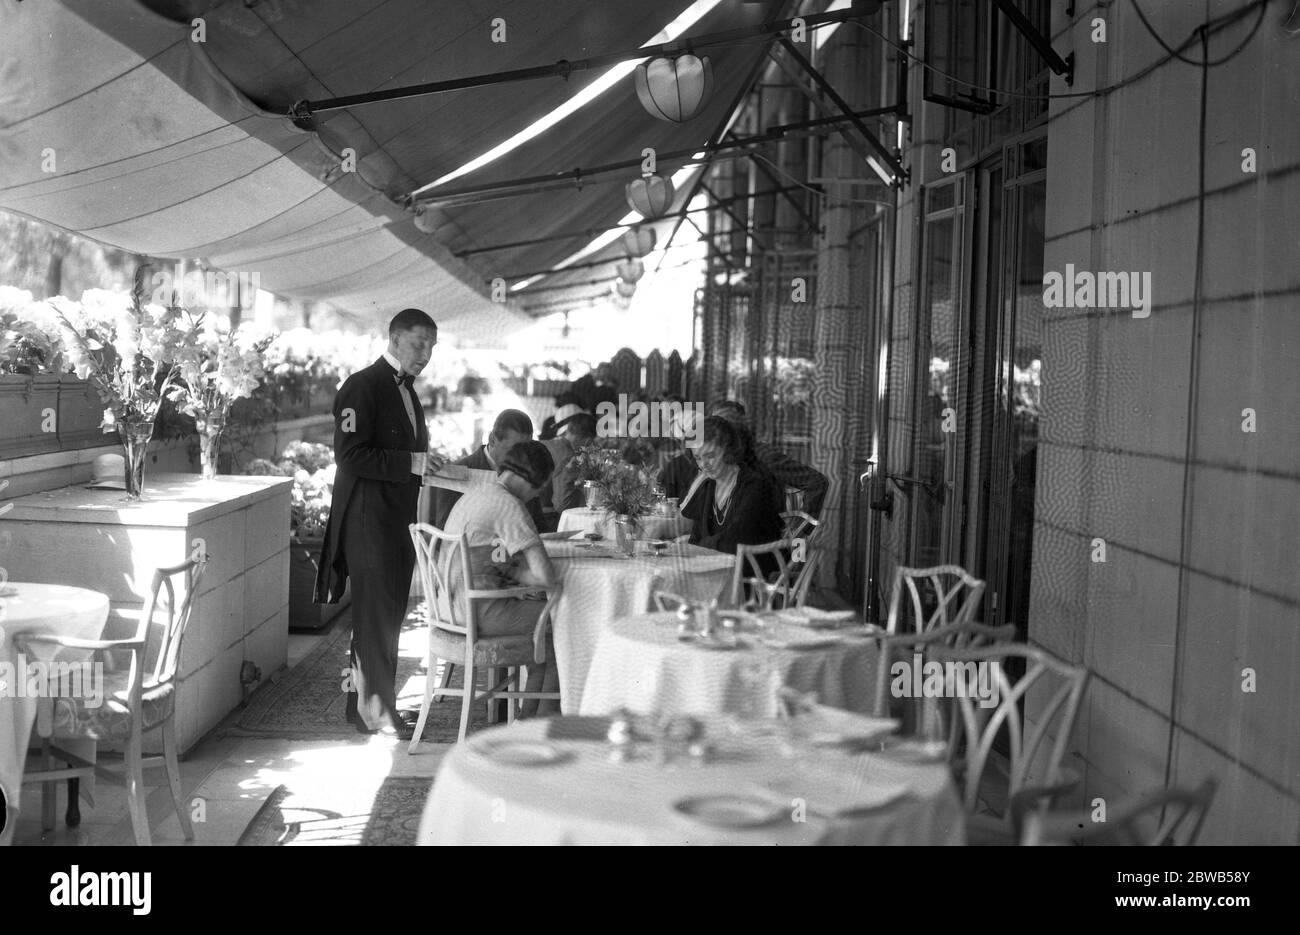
pixel 1002 471
pixel 942 368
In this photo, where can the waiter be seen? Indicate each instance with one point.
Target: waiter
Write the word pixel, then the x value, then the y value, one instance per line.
pixel 381 452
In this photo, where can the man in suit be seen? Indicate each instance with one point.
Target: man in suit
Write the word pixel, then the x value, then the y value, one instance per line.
pixel 381 449
pixel 510 428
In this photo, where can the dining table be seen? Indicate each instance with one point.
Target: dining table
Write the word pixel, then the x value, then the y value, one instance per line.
pixel 28 609
pixel 564 781
pixel 599 583
pixel 653 526
pixel 650 663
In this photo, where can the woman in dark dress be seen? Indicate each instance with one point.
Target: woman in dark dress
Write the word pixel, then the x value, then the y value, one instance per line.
pixel 733 501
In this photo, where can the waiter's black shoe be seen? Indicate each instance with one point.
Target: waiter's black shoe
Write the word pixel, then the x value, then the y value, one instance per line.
pixel 350 709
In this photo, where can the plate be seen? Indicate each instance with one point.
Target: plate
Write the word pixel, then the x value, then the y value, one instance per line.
pixel 800 642
pixel 832 727
pixel 521 752
pixel 917 751
pixel 731 811
pixel 719 645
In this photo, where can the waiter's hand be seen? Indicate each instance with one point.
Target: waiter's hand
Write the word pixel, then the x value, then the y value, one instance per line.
pixel 433 463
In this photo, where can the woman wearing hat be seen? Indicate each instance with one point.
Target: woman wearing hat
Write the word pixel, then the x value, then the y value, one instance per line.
pixel 505 551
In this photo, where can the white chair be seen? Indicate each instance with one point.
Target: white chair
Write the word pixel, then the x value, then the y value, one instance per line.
pixel 1036 752
pixel 952 636
pixel 135 701
pixel 453 630
pixel 950 591
pixel 766 591
pixel 1165 817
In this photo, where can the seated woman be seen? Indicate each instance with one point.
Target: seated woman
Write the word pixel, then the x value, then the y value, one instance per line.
pixel 733 501
pixel 505 551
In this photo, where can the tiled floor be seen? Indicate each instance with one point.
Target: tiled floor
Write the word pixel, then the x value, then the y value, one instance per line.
pixel 226 779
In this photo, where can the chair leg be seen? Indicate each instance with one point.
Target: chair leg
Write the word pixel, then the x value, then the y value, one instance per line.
pixel 49 792
pixel 134 778
pixel 447 669
pixel 424 705
pixel 515 681
pixel 72 817
pixel 466 702
pixel 172 762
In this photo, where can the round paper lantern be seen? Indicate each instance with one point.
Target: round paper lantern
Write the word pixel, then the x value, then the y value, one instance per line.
pixel 674 89
pixel 426 221
pixel 631 270
pixel 650 196
pixel 638 241
pixel 625 289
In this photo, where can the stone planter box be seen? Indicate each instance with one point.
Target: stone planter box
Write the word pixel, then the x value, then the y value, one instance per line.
pixel 29 408
pixel 96 539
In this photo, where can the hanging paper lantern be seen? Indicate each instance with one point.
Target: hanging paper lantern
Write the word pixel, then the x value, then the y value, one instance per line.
pixel 674 89
pixel 625 289
pixel 650 196
pixel 427 221
pixel 638 241
pixel 631 270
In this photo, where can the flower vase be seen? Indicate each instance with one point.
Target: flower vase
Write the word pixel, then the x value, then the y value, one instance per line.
pixel 593 492
pixel 135 448
pixel 210 431
pixel 625 533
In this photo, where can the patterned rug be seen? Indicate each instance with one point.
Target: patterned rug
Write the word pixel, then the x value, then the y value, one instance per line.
pixel 287 820
pixel 308 702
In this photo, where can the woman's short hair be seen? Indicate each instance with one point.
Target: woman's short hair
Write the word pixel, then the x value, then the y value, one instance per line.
pixel 531 461
pixel 718 431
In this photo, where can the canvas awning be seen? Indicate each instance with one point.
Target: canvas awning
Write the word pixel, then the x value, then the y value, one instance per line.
pixel 116 124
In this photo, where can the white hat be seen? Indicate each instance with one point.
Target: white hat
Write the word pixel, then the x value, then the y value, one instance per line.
pixel 108 472
pixel 565 413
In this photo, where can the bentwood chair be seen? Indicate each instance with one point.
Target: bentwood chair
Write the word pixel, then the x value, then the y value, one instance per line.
pixel 804 532
pixel 135 701
pixel 938 596
pixel 764 590
pixel 996 803
pixel 1164 817
pixel 453 631
pixel 936 720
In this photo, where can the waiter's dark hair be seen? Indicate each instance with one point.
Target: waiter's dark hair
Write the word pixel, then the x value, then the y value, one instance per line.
pixel 512 420
pixel 531 461
pixel 409 319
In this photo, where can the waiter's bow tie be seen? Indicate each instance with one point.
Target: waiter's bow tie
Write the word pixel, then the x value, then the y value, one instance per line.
pixel 406 378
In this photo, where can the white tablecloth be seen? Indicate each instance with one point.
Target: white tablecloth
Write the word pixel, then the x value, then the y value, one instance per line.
pixel 35 608
pixel 580 519
pixel 589 799
pixel 599 587
pixel 640 664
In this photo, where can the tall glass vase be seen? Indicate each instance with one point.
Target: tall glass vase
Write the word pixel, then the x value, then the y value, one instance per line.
pixel 210 431
pixel 135 447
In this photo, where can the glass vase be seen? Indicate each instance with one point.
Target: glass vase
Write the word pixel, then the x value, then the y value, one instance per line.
pixel 625 528
pixel 135 448
pixel 210 431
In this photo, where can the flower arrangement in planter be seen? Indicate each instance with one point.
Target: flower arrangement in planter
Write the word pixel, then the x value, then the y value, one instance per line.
pixel 311 465
pixel 26 345
pixel 125 349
